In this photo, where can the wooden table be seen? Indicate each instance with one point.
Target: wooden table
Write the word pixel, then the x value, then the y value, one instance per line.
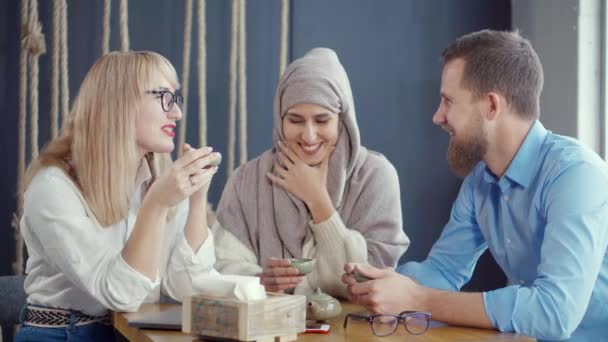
pixel 355 331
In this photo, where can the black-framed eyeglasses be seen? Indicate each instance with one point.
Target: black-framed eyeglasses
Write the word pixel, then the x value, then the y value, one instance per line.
pixel 167 98
pixel 415 322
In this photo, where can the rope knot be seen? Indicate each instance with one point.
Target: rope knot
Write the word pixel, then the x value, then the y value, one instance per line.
pixel 32 38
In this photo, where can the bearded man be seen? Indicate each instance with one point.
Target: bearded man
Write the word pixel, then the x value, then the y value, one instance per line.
pixel 537 200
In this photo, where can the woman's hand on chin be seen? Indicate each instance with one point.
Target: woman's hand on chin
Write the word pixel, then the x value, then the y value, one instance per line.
pixel 308 183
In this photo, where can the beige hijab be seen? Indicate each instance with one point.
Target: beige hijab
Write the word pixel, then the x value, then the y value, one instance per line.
pixel 271 221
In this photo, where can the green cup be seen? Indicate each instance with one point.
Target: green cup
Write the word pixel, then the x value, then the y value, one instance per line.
pixel 215 162
pixel 303 265
pixel 359 277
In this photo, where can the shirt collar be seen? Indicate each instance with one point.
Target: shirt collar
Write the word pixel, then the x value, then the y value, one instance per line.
pixel 523 166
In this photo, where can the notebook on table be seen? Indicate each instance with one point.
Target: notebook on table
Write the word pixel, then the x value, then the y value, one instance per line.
pixel 169 319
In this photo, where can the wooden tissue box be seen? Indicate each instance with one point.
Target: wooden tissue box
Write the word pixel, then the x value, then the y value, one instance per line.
pixel 278 317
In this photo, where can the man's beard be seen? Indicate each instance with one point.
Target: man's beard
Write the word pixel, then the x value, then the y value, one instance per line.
pixel 464 154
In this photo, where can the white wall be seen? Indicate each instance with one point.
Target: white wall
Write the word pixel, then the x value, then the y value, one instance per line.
pixel 567 35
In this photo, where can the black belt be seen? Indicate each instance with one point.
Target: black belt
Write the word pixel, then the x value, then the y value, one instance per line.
pixel 59 318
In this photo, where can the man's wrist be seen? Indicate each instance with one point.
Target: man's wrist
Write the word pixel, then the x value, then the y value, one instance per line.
pixel 426 297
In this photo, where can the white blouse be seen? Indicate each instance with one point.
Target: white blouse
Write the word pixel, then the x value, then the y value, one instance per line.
pixel 76 264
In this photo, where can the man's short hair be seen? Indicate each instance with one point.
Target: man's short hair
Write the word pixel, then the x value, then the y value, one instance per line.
pixel 502 62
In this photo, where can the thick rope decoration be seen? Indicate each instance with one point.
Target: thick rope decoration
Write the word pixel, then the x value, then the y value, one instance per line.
pixel 105 33
pixel 63 58
pixel 32 46
pixel 124 25
pixel 59 53
pixel 242 83
pixel 55 68
pixel 284 36
pixel 185 70
pixel 238 44
pixel 18 264
pixel 232 85
pixel 35 44
pixel 202 74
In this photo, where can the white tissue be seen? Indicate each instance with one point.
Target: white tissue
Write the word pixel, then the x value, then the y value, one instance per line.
pixel 243 288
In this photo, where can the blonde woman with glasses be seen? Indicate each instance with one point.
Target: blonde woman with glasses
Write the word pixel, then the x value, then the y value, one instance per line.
pixel 109 221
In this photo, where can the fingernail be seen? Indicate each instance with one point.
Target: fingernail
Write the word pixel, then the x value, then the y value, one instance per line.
pixel 208 149
pixel 215 168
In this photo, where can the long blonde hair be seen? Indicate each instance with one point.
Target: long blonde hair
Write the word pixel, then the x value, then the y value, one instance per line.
pixel 97 145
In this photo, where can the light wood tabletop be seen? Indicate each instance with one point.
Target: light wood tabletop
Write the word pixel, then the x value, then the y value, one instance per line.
pixel 355 331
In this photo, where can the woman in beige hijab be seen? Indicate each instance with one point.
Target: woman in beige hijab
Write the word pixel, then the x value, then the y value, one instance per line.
pixel 316 194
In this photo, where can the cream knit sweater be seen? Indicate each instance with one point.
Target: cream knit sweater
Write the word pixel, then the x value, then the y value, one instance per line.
pixel 330 242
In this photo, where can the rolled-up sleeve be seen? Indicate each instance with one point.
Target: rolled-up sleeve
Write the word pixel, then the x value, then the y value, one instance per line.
pixel 232 256
pixel 335 245
pixel 74 243
pixel 572 252
pixel 187 269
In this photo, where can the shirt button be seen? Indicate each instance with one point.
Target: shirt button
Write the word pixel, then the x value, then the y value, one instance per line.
pixel 506 198
pixel 522 282
pixel 509 241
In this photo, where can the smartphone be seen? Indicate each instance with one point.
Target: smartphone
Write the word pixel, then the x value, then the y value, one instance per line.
pixel 316 328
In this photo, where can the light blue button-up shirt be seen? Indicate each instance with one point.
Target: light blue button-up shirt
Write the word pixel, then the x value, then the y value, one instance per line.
pixel 546 224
